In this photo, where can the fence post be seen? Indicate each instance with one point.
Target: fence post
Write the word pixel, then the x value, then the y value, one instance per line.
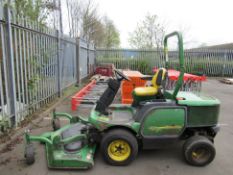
pixel 58 64
pixel 88 57
pixel 224 62
pixel 78 62
pixel 95 61
pixel 10 66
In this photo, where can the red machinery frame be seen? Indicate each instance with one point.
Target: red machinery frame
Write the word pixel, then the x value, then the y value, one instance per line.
pixel 77 98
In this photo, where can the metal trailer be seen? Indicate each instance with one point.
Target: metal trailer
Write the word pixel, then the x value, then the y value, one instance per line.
pixel 88 95
pixel 190 82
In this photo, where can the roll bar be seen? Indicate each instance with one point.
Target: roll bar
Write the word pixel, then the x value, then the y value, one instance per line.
pixel 181 59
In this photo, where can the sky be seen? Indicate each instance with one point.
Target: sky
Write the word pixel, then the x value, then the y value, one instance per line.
pixel 202 21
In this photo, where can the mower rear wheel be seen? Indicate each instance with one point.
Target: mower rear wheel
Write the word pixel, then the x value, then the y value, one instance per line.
pixel 56 124
pixel 119 147
pixel 29 154
pixel 199 151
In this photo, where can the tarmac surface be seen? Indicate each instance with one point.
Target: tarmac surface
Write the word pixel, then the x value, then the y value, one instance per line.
pixel 156 162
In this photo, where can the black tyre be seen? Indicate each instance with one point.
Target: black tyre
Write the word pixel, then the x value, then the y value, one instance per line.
pixel 199 151
pixel 29 154
pixel 119 147
pixel 56 124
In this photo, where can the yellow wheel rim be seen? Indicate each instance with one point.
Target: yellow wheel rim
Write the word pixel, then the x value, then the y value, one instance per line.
pixel 119 150
pixel 199 154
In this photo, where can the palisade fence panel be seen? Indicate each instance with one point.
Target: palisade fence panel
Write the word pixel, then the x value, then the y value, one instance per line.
pixel 35 60
pixel 4 100
pixel 36 64
pixel 68 61
pixel 211 62
pixel 83 53
pixel 91 56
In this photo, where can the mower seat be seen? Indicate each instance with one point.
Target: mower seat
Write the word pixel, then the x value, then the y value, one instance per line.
pixel 72 131
pixel 145 91
pixel 156 85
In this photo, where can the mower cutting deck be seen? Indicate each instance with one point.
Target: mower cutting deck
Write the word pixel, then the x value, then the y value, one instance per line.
pixel 65 148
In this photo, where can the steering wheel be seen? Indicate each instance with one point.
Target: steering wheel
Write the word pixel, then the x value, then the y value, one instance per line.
pixel 121 75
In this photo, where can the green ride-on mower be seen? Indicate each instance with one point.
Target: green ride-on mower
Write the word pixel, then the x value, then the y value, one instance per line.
pixel 157 118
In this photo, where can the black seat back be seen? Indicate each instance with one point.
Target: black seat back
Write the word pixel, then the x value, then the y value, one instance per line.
pixel 108 96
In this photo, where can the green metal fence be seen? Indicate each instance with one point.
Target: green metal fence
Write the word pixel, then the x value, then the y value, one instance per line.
pixel 211 62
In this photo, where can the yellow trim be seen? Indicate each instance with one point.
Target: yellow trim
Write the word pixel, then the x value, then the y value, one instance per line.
pixel 168 127
pixel 119 150
pixel 150 91
pixel 145 91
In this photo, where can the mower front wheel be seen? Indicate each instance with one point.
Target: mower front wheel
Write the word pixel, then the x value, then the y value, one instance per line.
pixel 199 151
pixel 119 147
pixel 29 154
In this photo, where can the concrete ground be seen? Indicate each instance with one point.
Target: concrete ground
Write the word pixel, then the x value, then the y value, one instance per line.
pixel 159 162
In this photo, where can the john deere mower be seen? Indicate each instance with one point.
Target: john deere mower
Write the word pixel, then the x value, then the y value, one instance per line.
pixel 157 118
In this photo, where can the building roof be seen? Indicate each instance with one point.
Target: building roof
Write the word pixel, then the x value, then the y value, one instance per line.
pixel 219 46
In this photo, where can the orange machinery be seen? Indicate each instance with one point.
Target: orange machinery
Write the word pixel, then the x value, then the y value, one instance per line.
pixel 128 86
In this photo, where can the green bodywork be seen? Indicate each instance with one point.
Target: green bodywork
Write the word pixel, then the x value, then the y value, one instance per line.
pixel 203 110
pixel 161 122
pixel 196 99
pixel 66 116
pixel 103 122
